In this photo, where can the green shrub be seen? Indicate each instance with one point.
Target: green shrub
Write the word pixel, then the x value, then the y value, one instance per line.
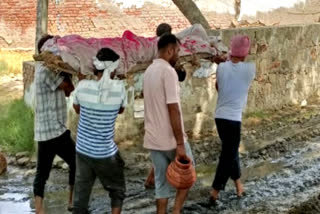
pixel 3 67
pixel 16 127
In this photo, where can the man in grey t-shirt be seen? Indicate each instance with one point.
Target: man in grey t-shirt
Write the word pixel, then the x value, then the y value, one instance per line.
pixel 233 82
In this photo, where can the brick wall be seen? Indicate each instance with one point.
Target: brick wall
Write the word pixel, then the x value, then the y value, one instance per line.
pixel 84 17
pixel 102 18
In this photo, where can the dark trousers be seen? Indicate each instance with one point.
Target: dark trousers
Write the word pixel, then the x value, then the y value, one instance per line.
pixel 110 172
pixel 229 164
pixel 62 146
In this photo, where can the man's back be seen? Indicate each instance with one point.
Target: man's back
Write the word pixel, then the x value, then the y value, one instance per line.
pixel 234 80
pixel 51 107
pixel 99 109
pixel 161 87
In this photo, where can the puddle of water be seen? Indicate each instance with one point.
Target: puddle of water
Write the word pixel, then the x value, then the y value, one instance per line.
pixel 11 207
pixel 261 170
pixel 315 153
pixel 13 196
pixel 13 203
pixel 16 203
pixel 205 173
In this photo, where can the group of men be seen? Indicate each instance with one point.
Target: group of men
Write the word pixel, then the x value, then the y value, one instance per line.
pixel 99 102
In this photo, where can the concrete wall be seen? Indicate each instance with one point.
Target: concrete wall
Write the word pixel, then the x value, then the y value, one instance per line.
pixel 287 60
pixel 287 73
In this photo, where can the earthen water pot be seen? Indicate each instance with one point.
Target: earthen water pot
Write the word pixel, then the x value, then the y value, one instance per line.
pixel 181 173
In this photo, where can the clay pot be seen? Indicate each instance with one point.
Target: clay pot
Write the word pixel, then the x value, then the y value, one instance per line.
pixel 181 173
pixel 3 163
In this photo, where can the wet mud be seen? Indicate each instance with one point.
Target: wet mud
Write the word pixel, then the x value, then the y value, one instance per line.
pixel 280 160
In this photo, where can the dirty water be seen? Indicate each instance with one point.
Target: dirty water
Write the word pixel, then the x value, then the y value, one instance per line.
pixel 273 186
pixel 280 170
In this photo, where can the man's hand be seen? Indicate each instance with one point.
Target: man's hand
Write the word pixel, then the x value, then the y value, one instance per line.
pixel 81 76
pixel 121 110
pixel 219 59
pixel 181 151
pixel 66 85
pixel 176 124
pixel 76 108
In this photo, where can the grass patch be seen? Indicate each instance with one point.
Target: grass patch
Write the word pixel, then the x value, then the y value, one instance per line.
pixel 253 119
pixel 3 66
pixel 11 61
pixel 258 114
pixel 16 127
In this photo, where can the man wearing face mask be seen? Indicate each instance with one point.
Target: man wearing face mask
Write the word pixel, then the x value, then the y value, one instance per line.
pixel 164 130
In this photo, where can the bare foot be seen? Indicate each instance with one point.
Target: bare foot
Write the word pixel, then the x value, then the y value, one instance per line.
pixel 41 212
pixel 38 205
pixel 239 187
pixel 70 206
pixel 214 194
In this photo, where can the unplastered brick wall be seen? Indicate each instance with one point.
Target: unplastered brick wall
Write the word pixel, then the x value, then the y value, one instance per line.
pixel 105 18
pixel 17 23
pixel 89 18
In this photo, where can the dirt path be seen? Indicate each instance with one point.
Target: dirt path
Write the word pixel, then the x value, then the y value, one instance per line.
pixel 10 88
pixel 280 156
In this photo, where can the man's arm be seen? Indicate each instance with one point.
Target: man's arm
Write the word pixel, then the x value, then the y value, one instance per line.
pixel 171 85
pixel 124 100
pixel 219 59
pixel 76 108
pixel 175 120
pixel 67 86
pixel 217 77
pixel 121 110
pixel 76 101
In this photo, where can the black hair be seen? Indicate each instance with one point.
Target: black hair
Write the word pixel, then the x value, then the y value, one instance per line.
pixel 106 54
pixel 42 41
pixel 163 28
pixel 167 39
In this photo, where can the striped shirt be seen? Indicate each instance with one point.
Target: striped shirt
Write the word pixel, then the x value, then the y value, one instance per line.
pixel 99 109
pixel 50 107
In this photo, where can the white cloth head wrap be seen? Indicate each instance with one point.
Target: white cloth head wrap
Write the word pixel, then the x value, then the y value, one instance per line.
pixel 105 83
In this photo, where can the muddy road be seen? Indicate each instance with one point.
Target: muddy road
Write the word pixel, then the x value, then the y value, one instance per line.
pixel 280 158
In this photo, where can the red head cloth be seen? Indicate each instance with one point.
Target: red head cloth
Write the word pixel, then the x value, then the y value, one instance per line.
pixel 240 46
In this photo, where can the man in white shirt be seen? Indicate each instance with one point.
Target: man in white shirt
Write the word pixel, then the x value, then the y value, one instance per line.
pixel 234 78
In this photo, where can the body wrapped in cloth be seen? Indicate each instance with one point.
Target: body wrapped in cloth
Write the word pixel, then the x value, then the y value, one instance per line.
pixel 75 53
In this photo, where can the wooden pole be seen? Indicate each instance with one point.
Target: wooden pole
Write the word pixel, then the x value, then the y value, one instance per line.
pixel 190 10
pixel 42 21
